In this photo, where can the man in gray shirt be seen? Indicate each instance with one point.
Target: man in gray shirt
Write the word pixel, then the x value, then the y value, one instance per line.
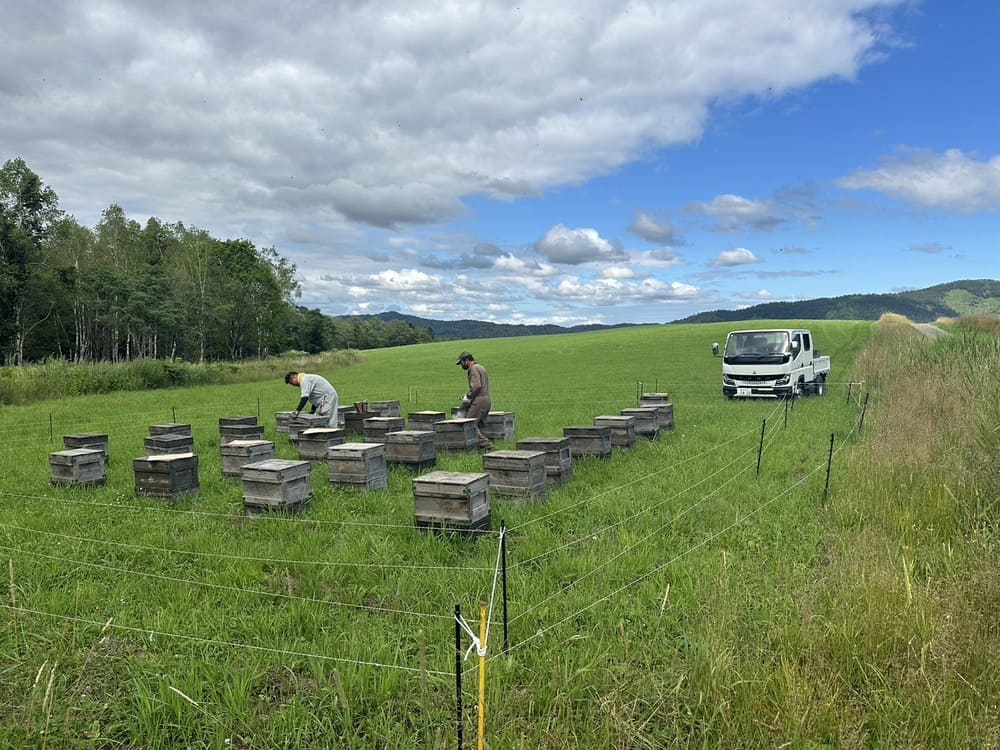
pixel 477 401
pixel 317 391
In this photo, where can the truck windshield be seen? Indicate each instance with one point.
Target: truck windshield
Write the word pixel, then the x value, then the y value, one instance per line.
pixel 757 345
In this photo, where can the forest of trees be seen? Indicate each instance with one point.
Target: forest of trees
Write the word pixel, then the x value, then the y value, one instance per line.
pixel 122 291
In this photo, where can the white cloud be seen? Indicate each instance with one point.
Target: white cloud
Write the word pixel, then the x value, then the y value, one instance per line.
pixel 739 256
pixel 952 181
pixel 654 229
pixel 734 213
pixel 575 246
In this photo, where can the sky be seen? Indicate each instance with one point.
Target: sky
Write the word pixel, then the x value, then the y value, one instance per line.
pixel 558 161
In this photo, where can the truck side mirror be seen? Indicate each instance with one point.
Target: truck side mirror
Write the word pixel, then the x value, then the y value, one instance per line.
pixel 715 349
pixel 795 346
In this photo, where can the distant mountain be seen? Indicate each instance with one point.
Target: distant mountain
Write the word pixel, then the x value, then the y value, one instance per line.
pixel 450 330
pixel 973 297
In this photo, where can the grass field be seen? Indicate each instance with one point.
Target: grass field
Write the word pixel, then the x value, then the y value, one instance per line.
pixel 671 596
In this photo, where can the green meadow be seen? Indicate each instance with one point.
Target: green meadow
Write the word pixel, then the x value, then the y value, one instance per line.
pixel 817 573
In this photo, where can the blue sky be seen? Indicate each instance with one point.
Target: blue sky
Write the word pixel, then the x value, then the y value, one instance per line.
pixel 565 162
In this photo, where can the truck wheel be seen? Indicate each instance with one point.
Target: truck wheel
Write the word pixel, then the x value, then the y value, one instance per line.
pixel 819 387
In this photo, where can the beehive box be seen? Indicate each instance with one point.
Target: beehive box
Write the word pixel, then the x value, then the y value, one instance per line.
pixel 516 473
pixel 499 425
pixel 281 420
pixel 589 441
pixel 93 440
pixel 236 421
pixel 237 453
pixel 170 429
pixel 241 432
pixel 384 408
pixel 170 476
pixel 354 422
pixel 276 485
pixel 158 445
pixel 305 422
pixel 78 467
pixel 457 434
pixel 622 430
pixel 452 501
pixel 662 402
pixel 413 448
pixel 647 421
pixel 558 459
pixel 424 420
pixel 313 443
pixel 358 465
pixel 376 428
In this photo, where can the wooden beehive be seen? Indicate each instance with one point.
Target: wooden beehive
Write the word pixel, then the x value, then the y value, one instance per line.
pixel 235 421
pixel 276 485
pixel 305 422
pixel 384 408
pixel 376 428
pixel 158 445
pixel 358 465
pixel 413 448
pixel 457 434
pixel 662 402
pixel 452 501
pixel 170 476
pixel 237 453
pixel 589 441
pixel 517 473
pixel 622 430
pixel 281 420
pixel 93 440
pixel 314 442
pixel 558 458
pixel 647 421
pixel 354 422
pixel 499 425
pixel 78 467
pixel 424 420
pixel 170 429
pixel 241 432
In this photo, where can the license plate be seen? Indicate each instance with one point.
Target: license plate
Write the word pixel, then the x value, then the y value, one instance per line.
pixel 744 391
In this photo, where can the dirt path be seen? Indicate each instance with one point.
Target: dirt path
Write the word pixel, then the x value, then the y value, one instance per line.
pixel 930 331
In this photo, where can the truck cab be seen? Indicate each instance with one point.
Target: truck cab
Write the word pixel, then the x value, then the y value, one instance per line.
pixel 772 363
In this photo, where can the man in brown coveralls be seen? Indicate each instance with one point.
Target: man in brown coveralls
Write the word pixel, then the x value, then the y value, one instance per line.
pixel 477 401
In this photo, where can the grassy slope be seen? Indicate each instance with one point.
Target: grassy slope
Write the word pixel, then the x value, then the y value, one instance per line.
pixel 666 597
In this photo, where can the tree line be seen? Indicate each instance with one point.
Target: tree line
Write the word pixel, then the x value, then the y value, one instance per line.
pixel 122 290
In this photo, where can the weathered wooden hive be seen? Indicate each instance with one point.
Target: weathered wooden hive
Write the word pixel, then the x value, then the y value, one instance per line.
pixel 662 402
pixel 517 473
pixel 305 422
pixel 314 442
pixel 237 453
pixel 452 501
pixel 78 467
pixel 276 485
pixel 424 420
pixel 241 432
pixel 647 421
pixel 170 429
pixel 158 445
pixel 589 441
pixel 622 430
pixel 376 428
pixel 499 425
pixel 170 476
pixel 358 465
pixel 384 409
pixel 281 420
pixel 558 459
pixel 354 422
pixel 93 440
pixel 457 434
pixel 412 448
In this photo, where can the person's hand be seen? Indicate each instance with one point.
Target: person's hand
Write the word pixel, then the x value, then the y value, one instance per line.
pixel 295 414
pixel 466 400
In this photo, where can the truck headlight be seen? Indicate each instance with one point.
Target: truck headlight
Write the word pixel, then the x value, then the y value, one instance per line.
pixel 783 380
pixel 726 380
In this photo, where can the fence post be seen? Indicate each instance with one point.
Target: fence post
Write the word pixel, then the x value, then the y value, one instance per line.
pixel 503 572
pixel 829 463
pixel 864 408
pixel 458 673
pixel 850 387
pixel 786 413
pixel 760 450
pixel 483 623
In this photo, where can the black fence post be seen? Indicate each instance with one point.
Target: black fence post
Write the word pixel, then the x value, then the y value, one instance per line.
pixel 864 408
pixel 829 463
pixel 760 450
pixel 458 673
pixel 850 387
pixel 503 571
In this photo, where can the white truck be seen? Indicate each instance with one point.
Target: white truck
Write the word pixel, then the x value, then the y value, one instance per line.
pixel 772 363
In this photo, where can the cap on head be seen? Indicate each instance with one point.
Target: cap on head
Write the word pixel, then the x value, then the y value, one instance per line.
pixel 463 357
